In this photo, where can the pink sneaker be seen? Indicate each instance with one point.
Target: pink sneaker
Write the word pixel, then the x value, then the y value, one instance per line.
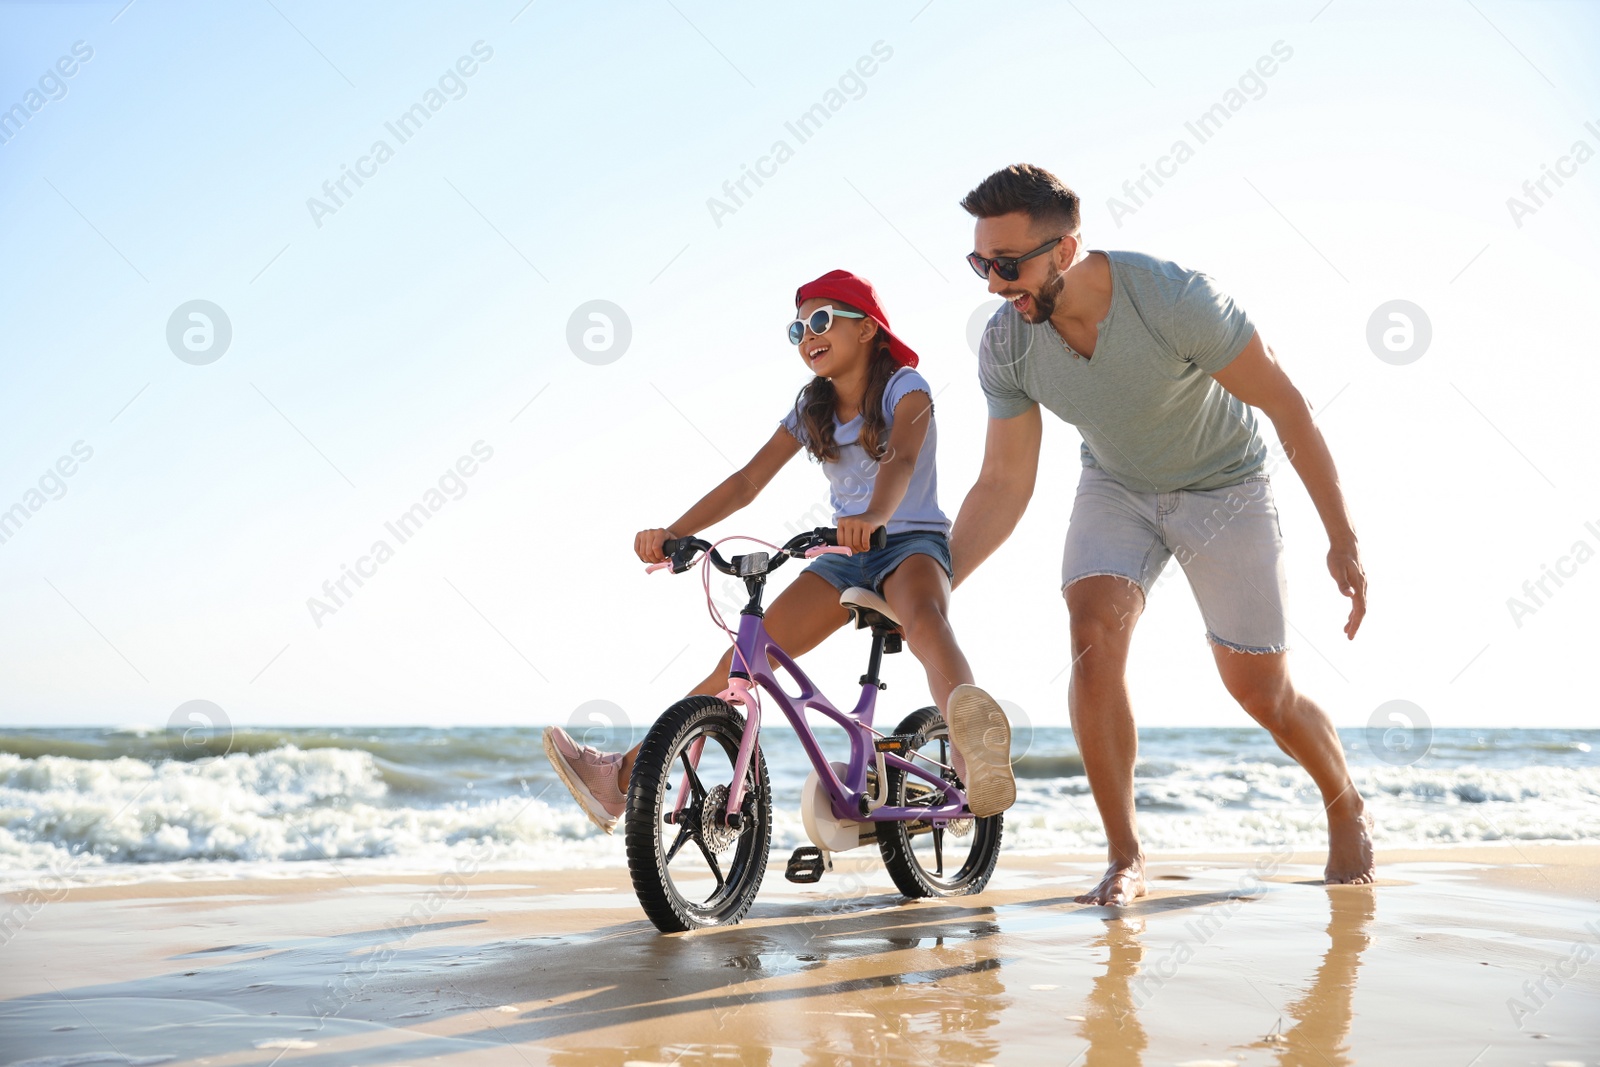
pixel 589 775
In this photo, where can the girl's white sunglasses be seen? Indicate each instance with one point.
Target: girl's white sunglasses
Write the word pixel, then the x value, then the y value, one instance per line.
pixel 819 322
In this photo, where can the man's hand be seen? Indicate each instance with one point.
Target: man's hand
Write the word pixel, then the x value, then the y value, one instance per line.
pixel 855 531
pixel 1344 563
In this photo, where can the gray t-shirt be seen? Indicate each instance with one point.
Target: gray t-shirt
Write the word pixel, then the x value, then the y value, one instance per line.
pixel 1150 413
pixel 852 476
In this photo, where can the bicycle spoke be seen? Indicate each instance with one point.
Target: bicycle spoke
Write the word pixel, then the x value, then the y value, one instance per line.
pixel 694 778
pixel 683 835
pixel 689 770
pixel 922 795
pixel 711 859
pixel 914 848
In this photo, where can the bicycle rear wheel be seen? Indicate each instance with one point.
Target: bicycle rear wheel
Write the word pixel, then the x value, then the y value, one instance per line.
pixel 689 870
pixel 925 860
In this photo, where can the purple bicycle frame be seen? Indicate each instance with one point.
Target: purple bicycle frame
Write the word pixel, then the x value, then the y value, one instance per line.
pixel 753 647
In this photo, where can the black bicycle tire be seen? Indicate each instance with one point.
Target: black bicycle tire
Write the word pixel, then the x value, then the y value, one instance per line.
pixel 894 844
pixel 652 771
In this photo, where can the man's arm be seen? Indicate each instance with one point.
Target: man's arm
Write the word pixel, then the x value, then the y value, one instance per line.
pixel 995 504
pixel 1255 377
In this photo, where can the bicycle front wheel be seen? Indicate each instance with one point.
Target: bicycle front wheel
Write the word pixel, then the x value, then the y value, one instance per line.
pixel 935 861
pixel 689 870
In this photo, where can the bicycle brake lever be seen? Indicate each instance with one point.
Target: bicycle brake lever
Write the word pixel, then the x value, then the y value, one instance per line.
pixel 828 550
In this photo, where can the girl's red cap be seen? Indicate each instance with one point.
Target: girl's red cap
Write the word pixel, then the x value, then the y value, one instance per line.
pixel 856 291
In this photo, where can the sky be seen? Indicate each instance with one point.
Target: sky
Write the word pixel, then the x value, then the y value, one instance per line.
pixel 225 377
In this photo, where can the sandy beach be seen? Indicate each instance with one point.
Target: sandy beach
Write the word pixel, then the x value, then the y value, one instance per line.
pixel 1480 955
pixel 443 447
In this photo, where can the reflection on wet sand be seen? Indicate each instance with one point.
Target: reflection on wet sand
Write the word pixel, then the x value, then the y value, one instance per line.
pixel 944 1014
pixel 670 1055
pixel 838 990
pixel 219 970
pixel 1111 1019
pixel 1321 1016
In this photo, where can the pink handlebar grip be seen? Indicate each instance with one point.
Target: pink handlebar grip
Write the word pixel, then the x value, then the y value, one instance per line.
pixel 658 566
pixel 828 550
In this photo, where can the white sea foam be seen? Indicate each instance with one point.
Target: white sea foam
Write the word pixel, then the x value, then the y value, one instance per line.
pixel 322 810
pixel 66 815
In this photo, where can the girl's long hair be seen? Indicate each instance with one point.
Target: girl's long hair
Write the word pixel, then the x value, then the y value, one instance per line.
pixel 817 404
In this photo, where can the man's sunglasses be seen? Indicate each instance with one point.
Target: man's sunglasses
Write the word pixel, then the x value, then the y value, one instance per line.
pixel 819 322
pixel 1008 267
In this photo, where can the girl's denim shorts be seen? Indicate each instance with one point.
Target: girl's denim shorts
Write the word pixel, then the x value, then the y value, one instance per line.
pixel 869 569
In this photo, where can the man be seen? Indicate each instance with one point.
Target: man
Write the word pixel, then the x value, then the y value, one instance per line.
pixel 1161 372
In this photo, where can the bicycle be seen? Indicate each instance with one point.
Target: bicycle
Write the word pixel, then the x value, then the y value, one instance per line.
pixel 892 790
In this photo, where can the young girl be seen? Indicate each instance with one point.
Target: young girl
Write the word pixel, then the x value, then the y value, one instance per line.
pixel 867 417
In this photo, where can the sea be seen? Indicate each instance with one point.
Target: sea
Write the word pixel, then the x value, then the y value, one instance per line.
pixel 126 805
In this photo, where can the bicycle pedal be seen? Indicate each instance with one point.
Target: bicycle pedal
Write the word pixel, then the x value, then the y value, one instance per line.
pixel 807 864
pixel 900 744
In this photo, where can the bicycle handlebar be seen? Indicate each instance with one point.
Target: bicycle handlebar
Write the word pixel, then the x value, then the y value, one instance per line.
pixel 680 551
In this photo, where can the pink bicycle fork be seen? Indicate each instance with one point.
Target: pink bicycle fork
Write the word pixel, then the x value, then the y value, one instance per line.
pixel 737 694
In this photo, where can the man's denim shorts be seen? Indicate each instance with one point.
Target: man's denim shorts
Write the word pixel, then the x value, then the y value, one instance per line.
pixel 1227 540
pixel 869 569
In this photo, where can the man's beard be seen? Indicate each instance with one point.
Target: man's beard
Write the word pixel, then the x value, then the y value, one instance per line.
pixel 1044 301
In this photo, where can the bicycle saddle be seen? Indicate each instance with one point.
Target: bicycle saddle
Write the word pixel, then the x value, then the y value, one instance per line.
pixel 867 607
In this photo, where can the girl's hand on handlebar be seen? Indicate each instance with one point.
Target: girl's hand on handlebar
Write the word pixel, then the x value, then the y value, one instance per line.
pixel 647 544
pixel 855 531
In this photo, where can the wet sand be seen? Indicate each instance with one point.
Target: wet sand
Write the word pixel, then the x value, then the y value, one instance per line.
pixel 1481 955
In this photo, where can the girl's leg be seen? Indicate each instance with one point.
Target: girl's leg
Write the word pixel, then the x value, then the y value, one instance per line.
pixel 919 593
pixel 804 613
pixel 980 738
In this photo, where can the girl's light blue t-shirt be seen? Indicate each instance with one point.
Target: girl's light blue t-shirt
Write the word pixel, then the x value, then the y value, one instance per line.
pixel 852 475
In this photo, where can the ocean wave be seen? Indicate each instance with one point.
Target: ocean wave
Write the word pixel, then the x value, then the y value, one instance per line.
pixel 399 746
pixel 314 805
pixel 1064 765
pixel 284 805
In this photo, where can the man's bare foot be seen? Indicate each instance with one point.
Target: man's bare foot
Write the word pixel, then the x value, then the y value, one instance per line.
pixel 1350 851
pixel 1123 884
